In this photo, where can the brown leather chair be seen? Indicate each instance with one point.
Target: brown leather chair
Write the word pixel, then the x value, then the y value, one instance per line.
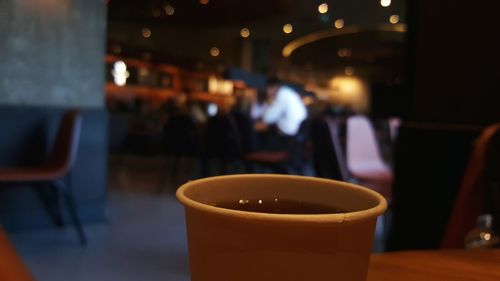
pixel 55 170
pixel 479 190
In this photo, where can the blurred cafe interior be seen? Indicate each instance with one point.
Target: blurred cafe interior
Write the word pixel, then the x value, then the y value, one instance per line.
pixel 108 106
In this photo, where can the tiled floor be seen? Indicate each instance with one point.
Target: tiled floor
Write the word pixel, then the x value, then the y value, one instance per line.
pixel 143 239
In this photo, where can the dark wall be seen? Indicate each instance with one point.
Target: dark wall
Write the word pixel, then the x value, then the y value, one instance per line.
pixel 452 79
pixel 454 68
pixel 52 52
pixel 26 138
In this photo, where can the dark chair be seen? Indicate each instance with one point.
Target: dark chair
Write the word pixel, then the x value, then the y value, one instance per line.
pixel 246 131
pixel 429 161
pixel 291 161
pixel 328 150
pixel 222 143
pixel 117 133
pixel 181 141
pixel 181 136
pixel 479 191
pixel 54 171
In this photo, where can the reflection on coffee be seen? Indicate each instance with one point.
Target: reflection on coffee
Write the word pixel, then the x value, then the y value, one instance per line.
pixel 279 206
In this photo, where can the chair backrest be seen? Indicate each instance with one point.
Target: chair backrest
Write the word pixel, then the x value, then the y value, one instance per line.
pixel 222 138
pixel 181 135
pixel 328 148
pixel 297 152
pixel 66 144
pixel 362 148
pixel 246 131
pixel 476 195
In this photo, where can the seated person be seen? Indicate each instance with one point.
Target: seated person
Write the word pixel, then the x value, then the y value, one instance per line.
pixel 285 111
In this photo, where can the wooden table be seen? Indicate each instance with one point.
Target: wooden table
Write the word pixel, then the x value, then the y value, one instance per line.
pixel 456 265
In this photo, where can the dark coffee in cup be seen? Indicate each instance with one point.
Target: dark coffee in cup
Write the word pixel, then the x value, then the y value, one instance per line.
pixel 279 206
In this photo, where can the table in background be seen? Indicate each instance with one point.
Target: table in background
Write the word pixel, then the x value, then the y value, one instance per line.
pixel 439 265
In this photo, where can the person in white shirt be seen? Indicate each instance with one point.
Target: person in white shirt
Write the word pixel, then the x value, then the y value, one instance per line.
pixel 285 110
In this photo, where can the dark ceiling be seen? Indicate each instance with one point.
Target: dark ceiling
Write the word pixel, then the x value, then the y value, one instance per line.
pixel 194 28
pixel 227 12
pixel 193 13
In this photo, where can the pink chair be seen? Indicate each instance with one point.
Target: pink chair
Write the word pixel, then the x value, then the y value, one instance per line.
pixel 55 169
pixel 364 161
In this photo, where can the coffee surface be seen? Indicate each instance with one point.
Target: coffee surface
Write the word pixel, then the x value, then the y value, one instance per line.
pixel 279 206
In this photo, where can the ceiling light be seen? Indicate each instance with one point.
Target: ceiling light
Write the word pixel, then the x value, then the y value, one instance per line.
pixel 245 32
pixel 339 23
pixel 214 52
pixel 146 32
pixel 394 19
pixel 120 73
pixel 169 9
pixel 349 70
pixel 323 8
pixel 287 28
pixel 385 3
pixel 212 109
pixel 204 2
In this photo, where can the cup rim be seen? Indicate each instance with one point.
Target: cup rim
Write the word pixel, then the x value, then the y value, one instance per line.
pixel 312 218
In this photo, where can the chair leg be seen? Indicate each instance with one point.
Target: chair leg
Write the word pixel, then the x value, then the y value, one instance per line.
pixel 71 204
pixel 52 204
